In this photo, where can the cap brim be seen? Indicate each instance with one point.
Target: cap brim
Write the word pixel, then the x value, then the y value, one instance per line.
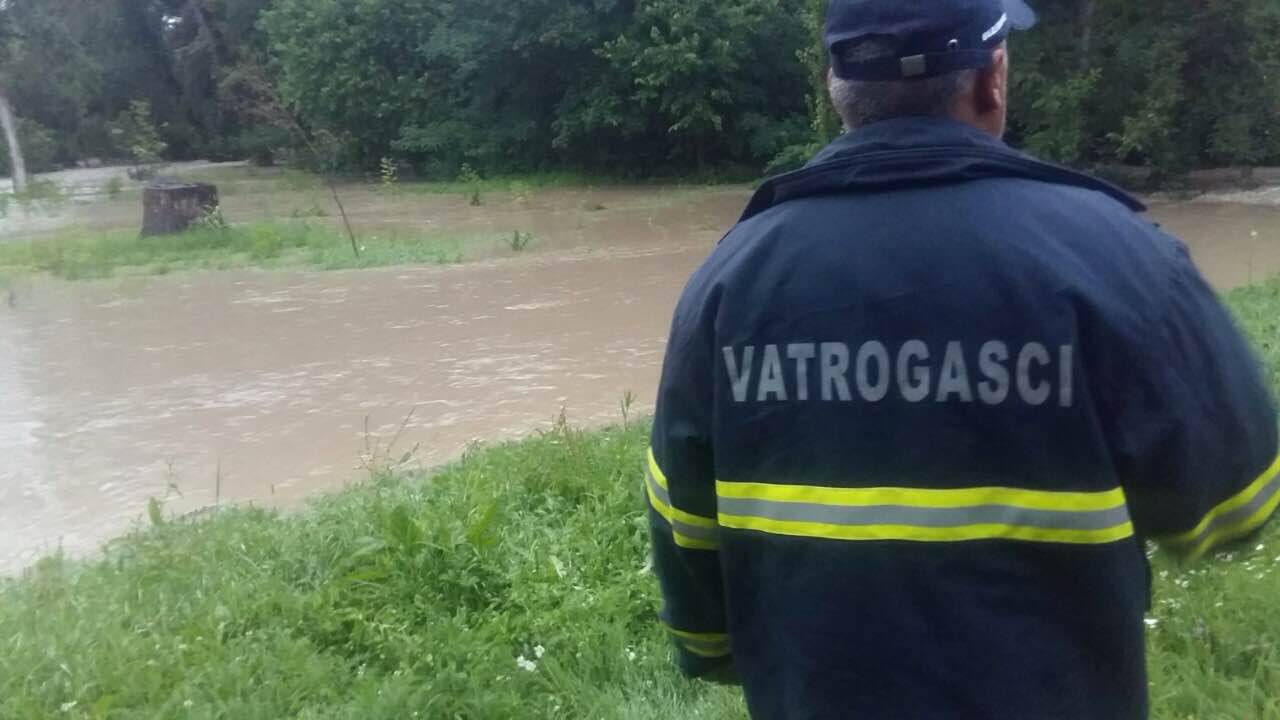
pixel 1021 16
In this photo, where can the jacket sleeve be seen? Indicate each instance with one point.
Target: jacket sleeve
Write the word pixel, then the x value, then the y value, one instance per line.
pixel 680 487
pixel 1194 433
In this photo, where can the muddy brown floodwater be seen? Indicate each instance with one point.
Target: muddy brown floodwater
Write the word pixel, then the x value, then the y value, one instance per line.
pixel 256 386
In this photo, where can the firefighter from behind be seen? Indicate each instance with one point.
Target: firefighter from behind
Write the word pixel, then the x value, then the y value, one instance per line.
pixel 926 402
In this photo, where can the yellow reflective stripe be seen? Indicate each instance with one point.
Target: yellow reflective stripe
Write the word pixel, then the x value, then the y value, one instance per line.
pixel 699 530
pixel 706 653
pixel 1233 518
pixel 1239 500
pixel 681 539
pixel 929 534
pixel 1229 533
pixel 656 471
pixel 925 515
pixel 708 645
pixel 925 498
pixel 702 637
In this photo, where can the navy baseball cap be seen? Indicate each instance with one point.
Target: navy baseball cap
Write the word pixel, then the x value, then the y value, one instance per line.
pixel 909 39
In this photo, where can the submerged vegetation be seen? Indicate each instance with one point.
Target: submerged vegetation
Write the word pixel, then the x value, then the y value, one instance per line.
pixel 299 226
pixel 82 255
pixel 512 583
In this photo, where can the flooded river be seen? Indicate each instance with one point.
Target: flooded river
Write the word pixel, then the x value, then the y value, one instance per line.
pixel 258 386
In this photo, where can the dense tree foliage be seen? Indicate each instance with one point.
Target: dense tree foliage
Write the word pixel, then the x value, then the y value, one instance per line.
pixel 75 70
pixel 1171 84
pixel 622 86
pixel 599 83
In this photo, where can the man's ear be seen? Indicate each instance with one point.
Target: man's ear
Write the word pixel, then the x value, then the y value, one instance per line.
pixel 993 83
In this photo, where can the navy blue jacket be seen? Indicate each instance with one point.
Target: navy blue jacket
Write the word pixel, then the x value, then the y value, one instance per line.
pixel 920 410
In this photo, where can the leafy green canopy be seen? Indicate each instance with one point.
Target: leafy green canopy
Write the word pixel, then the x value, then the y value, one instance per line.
pixel 620 86
pixel 523 85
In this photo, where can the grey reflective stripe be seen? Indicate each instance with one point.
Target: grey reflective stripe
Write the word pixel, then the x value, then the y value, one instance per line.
pixel 925 516
pixel 696 532
pixel 1240 514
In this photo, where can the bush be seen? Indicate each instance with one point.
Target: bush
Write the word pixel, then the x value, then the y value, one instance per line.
pixel 262 145
pixel 791 158
pixel 113 187
pixel 137 136
pixel 39 148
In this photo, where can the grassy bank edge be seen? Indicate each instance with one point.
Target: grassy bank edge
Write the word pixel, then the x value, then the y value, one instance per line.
pixel 292 244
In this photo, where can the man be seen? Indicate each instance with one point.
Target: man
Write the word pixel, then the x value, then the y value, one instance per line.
pixel 925 403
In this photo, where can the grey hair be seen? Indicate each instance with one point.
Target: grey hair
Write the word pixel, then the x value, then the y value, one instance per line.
pixel 864 102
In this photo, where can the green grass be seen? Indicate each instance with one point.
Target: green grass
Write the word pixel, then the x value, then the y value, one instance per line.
pixel 296 243
pixel 416 596
pixel 308 235
pixel 401 596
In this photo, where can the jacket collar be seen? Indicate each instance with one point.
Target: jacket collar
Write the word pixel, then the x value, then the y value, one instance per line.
pixel 916 151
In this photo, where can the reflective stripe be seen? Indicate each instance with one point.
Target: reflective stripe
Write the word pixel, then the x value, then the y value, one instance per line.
pixel 1233 518
pixel 710 645
pixel 688 530
pixel 925 515
pixel 922 497
pixel 991 32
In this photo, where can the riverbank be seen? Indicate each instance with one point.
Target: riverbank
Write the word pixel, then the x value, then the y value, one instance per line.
pixel 83 224
pixel 510 584
pixel 273 218
pixel 266 245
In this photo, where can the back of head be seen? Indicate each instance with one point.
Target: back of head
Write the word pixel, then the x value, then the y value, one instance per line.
pixel 942 58
pixel 863 102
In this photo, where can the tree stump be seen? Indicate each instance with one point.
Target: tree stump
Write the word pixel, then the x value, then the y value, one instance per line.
pixel 170 206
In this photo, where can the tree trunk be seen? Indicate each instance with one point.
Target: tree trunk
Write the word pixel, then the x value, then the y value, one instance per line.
pixel 169 208
pixel 1084 28
pixel 205 29
pixel 17 166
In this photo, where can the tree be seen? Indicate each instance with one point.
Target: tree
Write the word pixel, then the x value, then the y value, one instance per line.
pixel 625 86
pixel 8 124
pixel 706 71
pixel 17 164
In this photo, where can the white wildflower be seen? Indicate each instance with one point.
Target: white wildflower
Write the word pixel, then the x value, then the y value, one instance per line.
pixel 539 651
pixel 631 655
pixel 67 707
pixel 526 664
pixel 1151 622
